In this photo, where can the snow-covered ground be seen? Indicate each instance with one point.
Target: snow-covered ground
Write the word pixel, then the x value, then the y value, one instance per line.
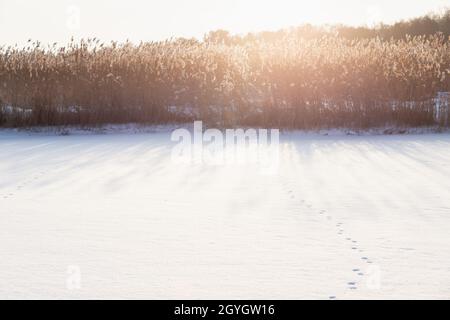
pixel 112 216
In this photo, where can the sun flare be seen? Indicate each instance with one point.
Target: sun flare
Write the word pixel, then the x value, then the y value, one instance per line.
pixel 52 20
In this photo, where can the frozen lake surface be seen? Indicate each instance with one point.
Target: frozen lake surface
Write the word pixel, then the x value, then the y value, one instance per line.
pixel 112 216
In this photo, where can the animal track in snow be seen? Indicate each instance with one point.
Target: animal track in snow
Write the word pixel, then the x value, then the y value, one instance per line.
pixel 358 272
pixel 22 185
pixel 352 285
pixel 339 225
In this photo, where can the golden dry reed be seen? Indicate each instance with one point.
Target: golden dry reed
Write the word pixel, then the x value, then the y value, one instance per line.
pixel 289 82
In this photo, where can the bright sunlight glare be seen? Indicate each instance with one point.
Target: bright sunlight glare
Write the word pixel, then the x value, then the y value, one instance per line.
pixel 58 20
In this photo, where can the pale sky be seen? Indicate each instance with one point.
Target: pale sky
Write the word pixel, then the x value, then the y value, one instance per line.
pixel 57 20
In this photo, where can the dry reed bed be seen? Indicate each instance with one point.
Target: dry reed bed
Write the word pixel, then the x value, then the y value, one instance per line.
pixel 290 82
